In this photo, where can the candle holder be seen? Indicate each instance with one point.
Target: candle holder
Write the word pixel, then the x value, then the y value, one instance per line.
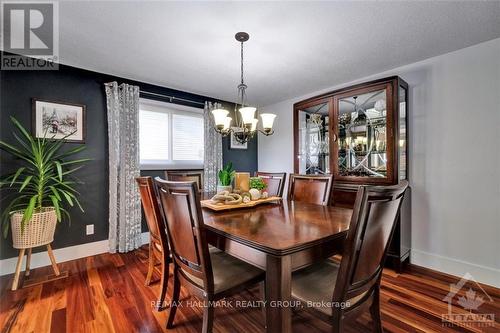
pixel 242 182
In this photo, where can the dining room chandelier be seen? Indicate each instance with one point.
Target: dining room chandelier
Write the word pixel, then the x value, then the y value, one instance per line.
pixel 244 114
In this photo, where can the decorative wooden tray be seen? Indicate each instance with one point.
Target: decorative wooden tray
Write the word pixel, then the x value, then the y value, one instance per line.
pixel 218 207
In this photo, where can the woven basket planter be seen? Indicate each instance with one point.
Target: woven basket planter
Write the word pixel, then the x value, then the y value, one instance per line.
pixel 37 232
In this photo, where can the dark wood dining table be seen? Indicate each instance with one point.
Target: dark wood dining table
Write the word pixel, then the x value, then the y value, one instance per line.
pixel 279 238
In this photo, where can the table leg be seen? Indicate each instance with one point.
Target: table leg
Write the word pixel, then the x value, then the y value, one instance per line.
pixel 278 294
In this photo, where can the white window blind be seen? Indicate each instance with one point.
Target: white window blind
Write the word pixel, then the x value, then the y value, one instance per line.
pixel 153 136
pixel 170 136
pixel 188 138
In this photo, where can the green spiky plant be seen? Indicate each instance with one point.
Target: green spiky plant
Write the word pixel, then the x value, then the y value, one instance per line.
pixel 226 175
pixel 44 180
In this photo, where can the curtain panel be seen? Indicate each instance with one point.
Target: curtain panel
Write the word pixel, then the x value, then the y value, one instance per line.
pixel 124 167
pixel 212 161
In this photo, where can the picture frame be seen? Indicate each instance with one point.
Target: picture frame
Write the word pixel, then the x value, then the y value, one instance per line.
pixel 234 144
pixel 56 120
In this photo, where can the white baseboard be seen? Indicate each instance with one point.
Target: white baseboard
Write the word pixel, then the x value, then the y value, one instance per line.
pixel 41 259
pixel 483 274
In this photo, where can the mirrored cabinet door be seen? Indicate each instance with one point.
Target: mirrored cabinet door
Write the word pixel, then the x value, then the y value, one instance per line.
pixel 359 133
pixel 313 138
pixel 362 134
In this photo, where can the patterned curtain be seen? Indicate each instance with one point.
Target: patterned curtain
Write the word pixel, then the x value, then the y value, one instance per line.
pixel 212 161
pixel 123 141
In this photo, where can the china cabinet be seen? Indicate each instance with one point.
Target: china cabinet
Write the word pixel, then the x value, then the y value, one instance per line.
pixel 359 134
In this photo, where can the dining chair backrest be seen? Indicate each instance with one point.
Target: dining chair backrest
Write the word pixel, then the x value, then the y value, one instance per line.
pixel 310 188
pixel 275 182
pixel 186 176
pixel 180 202
pixel 372 224
pixel 152 212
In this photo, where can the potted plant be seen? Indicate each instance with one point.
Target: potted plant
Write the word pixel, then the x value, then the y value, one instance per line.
pixel 38 192
pixel 226 176
pixel 257 185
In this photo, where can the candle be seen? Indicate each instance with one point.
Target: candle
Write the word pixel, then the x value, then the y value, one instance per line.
pixel 242 181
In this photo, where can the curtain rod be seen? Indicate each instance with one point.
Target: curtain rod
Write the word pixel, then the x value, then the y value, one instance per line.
pixel 171 98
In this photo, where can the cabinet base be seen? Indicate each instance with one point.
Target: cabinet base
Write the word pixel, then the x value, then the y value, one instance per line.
pixel 398 263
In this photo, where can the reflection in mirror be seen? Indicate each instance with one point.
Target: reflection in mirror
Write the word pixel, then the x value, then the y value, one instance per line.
pixel 402 133
pixel 362 138
pixel 313 140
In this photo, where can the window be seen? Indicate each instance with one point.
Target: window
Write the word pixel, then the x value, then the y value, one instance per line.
pixel 153 135
pixel 170 136
pixel 186 146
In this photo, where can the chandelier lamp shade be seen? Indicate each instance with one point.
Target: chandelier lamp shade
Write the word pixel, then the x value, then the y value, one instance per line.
pixel 246 120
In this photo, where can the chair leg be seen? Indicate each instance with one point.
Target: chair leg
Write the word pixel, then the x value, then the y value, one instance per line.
pixel 175 300
pixel 151 265
pixel 375 311
pixel 337 323
pixel 53 260
pixel 262 292
pixel 208 318
pixel 28 263
pixel 18 269
pixel 163 284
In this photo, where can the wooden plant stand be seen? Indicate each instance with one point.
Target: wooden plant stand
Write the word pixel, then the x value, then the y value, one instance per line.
pixel 28 261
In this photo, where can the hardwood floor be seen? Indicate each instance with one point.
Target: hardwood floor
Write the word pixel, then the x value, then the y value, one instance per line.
pixel 106 293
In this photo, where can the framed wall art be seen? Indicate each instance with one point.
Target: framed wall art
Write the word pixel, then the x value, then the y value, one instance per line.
pixel 235 144
pixel 58 120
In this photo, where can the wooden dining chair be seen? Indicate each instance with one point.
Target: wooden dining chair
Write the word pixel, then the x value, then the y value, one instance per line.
pixel 195 175
pixel 310 188
pixel 356 281
pixel 275 182
pixel 209 273
pixel 158 244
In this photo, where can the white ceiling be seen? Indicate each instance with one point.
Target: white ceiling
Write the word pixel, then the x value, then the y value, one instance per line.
pixel 294 48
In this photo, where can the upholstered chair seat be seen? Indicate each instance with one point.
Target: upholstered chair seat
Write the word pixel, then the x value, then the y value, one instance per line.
pixel 316 284
pixel 228 271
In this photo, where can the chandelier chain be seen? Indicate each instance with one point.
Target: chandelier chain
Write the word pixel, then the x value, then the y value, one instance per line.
pixel 242 81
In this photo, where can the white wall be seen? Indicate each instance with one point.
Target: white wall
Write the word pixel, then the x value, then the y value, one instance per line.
pixel 454 158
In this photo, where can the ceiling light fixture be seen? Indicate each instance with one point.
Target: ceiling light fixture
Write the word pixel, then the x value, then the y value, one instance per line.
pixel 245 118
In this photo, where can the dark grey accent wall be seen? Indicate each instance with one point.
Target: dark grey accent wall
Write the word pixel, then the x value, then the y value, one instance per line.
pixel 240 157
pixel 74 85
